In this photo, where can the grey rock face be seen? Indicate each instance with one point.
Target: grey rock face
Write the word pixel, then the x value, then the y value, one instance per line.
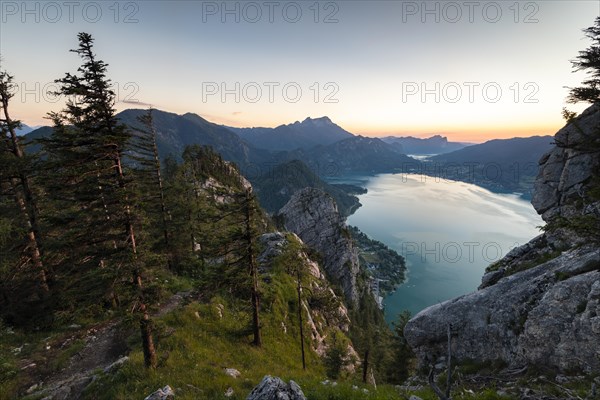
pixel 273 388
pixel 545 315
pixel 548 315
pixel 565 172
pixel 313 216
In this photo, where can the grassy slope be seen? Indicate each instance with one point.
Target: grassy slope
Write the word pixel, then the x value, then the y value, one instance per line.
pixel 197 342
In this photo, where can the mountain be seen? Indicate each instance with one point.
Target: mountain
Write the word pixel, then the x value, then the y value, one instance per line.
pixel 299 135
pixel 538 306
pixel 434 145
pixel 355 155
pixel 502 165
pixel 345 153
pixel 31 137
pixel 24 130
pixel 174 132
pixel 275 187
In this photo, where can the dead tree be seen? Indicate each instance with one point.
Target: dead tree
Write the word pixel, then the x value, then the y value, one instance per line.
pixel 299 289
pixel 446 394
pixel 253 269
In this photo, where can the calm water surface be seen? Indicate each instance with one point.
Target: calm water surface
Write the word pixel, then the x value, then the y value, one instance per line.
pixel 448 232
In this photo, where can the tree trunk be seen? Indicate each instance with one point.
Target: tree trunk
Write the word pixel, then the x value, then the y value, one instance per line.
pixel 26 202
pixel 446 394
pixel 159 181
pixel 32 243
pixel 253 273
pixel 147 340
pixel 299 288
pixel 365 366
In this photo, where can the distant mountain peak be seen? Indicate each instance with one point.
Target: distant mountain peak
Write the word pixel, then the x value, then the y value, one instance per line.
pixel 309 133
pixel 316 121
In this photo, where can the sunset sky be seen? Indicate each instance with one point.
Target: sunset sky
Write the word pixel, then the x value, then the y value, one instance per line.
pixel 469 70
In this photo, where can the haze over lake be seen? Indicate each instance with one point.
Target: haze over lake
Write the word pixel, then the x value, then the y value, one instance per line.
pixel 448 231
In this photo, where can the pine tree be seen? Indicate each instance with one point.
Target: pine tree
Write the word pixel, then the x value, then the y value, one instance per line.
pixel 144 149
pixel 250 251
pixel 17 181
pixel 589 61
pixel 300 323
pixel 86 149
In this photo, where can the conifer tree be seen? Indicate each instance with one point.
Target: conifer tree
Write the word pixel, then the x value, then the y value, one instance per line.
pixel 18 182
pixel 250 252
pixel 86 148
pixel 144 149
pixel 588 61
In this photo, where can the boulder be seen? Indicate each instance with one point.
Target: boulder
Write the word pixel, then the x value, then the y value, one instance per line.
pixel 273 388
pixel 165 393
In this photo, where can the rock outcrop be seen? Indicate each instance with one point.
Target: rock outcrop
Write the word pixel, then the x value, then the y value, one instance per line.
pixel 566 172
pixel 320 320
pixel 313 216
pixel 539 305
pixel 273 388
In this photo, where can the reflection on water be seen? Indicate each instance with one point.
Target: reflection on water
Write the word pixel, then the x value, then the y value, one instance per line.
pixel 448 232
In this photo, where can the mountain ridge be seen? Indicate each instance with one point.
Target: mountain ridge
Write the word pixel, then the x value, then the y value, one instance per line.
pixel 306 134
pixel 435 144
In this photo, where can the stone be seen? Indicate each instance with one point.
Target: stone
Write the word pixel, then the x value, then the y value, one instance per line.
pixel 32 388
pixel 229 392
pixel 413 397
pixel 232 372
pixel 116 364
pixel 220 309
pixel 273 388
pixel 165 393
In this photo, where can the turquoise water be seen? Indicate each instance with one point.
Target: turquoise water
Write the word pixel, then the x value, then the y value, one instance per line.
pixel 448 232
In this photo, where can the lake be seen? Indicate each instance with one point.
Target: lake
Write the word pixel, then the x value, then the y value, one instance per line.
pixel 448 231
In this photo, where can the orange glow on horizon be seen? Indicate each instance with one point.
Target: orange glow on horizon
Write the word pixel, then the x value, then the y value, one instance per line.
pixel 476 133
pixel 468 134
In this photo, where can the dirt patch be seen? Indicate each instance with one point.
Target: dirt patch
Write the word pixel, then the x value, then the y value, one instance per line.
pixel 105 346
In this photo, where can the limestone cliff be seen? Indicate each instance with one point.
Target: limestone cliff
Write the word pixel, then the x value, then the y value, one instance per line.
pixel 540 305
pixel 313 216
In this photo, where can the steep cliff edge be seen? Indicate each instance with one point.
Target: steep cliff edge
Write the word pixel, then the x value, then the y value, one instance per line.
pixel 539 305
pixel 313 216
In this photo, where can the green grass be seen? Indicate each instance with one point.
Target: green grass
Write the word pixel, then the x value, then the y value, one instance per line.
pixel 193 358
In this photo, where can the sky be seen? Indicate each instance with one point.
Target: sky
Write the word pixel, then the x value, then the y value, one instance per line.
pixel 469 70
